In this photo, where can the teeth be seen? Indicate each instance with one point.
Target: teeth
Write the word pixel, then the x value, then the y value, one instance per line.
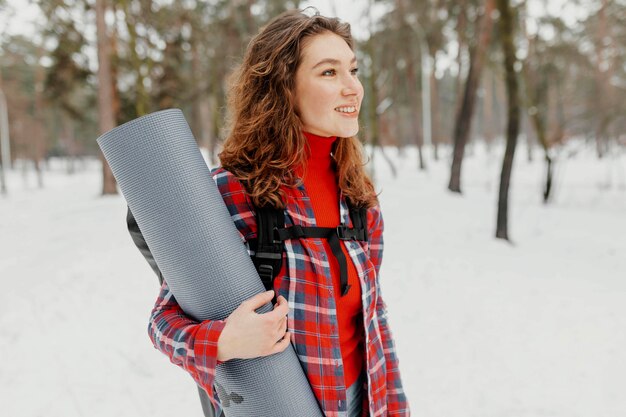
pixel 350 109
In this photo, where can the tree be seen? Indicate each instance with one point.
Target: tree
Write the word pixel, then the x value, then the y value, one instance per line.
pixel 463 123
pixel 106 116
pixel 507 36
pixel 67 91
pixel 536 76
pixel 603 74
pixel 411 79
pixel 22 86
pixel 4 131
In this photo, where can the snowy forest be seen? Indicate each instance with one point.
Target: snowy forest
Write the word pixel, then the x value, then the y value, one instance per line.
pixel 495 131
pixel 437 74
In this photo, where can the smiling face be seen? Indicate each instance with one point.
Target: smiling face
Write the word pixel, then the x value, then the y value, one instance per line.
pixel 328 92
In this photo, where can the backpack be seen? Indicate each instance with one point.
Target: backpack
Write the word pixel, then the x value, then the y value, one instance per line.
pixel 269 245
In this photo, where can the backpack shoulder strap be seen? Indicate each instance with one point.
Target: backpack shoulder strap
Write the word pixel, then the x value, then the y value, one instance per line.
pixel 358 215
pixel 268 257
pixel 271 235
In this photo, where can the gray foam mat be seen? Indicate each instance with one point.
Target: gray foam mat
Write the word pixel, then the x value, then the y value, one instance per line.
pixel 169 189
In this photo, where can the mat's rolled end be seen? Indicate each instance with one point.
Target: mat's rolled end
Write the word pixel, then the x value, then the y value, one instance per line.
pixel 159 117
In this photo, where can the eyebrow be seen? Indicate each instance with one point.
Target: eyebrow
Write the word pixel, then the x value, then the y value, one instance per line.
pixel 332 61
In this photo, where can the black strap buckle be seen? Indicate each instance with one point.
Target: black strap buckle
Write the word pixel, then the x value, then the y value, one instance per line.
pixel 344 233
pixel 294 232
pixel 266 273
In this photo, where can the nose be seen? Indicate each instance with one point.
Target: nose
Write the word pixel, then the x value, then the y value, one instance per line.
pixel 351 86
pixel 348 91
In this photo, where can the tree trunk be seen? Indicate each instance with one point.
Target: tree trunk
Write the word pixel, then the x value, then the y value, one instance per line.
pixel 605 103
pixel 416 131
pixel 206 126
pixel 5 147
pixel 5 159
pixel 508 46
pixel 536 88
pixel 537 123
pixel 488 118
pixel 529 139
pixel 39 141
pixel 69 143
pixel 411 83
pixel 142 99
pixel 196 100
pixel 460 30
pixel 386 133
pixel 372 107
pixel 213 104
pixel 540 131
pixel 217 103
pixel 115 94
pixel 463 122
pixel 106 117
pixel 3 185
pixel 434 106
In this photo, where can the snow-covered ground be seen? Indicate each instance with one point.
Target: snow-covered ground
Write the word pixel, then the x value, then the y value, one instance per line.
pixel 484 328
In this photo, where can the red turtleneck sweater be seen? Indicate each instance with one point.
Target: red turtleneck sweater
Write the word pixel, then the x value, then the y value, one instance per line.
pixel 320 182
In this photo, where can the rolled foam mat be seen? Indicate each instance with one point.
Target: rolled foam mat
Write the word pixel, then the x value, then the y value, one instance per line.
pixel 195 243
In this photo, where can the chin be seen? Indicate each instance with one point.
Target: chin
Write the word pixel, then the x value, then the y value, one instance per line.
pixel 348 131
pixel 339 130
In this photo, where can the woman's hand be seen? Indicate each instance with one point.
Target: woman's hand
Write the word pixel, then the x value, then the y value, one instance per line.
pixel 248 334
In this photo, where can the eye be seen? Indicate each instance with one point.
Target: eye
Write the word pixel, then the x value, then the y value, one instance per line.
pixel 354 71
pixel 329 72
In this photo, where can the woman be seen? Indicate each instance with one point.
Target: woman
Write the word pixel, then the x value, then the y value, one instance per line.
pixel 294 105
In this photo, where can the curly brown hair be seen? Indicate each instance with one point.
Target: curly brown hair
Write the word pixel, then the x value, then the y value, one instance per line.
pixel 266 143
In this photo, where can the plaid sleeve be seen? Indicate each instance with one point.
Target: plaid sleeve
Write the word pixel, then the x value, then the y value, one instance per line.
pixel 237 202
pixel 189 344
pixel 397 404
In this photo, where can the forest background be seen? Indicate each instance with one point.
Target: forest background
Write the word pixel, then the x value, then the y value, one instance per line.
pixel 483 118
pixel 436 73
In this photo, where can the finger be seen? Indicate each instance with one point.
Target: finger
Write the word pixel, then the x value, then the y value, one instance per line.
pixel 280 300
pixel 281 308
pixel 285 341
pixel 282 344
pixel 282 326
pixel 258 300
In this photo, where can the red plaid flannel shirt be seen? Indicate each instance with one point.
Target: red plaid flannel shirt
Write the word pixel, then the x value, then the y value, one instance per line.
pixel 306 283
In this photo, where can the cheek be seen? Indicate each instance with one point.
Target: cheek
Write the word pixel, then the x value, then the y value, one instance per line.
pixel 360 90
pixel 320 95
pixel 318 98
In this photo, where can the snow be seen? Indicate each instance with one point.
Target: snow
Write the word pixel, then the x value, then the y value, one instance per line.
pixel 483 327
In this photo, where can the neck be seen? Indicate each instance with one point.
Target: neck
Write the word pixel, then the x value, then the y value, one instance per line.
pixel 320 147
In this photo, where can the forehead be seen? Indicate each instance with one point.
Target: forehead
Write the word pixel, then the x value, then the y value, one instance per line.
pixel 326 45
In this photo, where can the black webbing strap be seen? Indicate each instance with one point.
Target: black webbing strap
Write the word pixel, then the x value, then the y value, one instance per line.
pixel 271 234
pixel 359 223
pixel 333 235
pixel 268 252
